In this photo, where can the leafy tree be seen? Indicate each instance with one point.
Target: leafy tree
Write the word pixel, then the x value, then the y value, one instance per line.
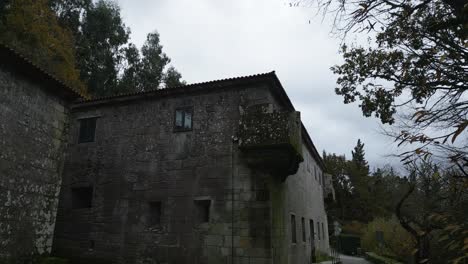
pixel 100 47
pixel 173 78
pixel 30 27
pixel 416 64
pixel 433 211
pixel 130 80
pixel 71 12
pixel 336 166
pixel 153 62
pixel 110 64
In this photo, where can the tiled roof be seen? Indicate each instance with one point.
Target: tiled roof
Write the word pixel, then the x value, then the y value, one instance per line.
pixel 12 59
pixel 194 87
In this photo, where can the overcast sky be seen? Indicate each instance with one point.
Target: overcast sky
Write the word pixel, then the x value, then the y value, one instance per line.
pixel 215 39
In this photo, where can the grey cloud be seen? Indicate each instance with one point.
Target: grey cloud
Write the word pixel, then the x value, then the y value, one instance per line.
pixel 209 40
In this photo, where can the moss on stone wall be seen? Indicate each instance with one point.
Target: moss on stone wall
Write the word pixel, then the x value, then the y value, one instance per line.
pixel 272 141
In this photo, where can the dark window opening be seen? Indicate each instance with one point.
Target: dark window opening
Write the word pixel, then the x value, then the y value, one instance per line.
pixel 293 229
pixel 312 235
pixel 87 130
pixel 91 245
pixel 318 230
pixel 323 231
pixel 303 230
pixel 154 213
pixel 202 211
pixel 183 119
pixel 82 197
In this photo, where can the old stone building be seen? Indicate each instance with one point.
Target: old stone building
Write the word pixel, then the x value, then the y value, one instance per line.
pixel 215 172
pixel 34 117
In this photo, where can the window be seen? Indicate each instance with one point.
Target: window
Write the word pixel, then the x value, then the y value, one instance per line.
pixel 202 211
pixel 323 232
pixel 312 235
pixel 82 197
pixel 293 229
pixel 315 172
pixel 154 213
pixel 183 119
pixel 303 230
pixel 87 129
pixel 318 230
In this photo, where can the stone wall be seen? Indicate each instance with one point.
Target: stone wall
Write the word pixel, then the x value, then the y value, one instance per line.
pixel 33 124
pixel 137 158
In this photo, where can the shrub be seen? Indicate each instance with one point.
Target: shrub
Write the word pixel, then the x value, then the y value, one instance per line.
pixel 397 242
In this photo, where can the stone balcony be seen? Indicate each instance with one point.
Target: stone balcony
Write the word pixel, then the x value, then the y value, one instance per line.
pixel 271 141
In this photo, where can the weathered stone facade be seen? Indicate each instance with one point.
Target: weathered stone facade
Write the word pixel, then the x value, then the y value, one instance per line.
pixel 33 128
pixel 224 189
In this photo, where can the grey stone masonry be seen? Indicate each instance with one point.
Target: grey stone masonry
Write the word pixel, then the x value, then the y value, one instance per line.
pixel 33 128
pixel 215 172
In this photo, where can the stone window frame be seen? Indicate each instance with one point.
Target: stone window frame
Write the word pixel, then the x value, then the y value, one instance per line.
pixel 185 109
pixel 80 123
pixel 293 228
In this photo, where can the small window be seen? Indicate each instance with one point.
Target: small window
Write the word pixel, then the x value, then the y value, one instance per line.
pixel 202 211
pixel 303 230
pixel 87 130
pixel 318 230
pixel 315 172
pixel 183 119
pixel 82 197
pixel 154 213
pixel 293 229
pixel 312 235
pixel 323 232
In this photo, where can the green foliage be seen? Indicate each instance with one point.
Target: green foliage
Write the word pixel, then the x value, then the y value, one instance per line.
pixel 397 241
pixel 153 62
pixel 100 41
pixel 32 29
pixel 353 228
pixel 109 63
pixel 173 78
pixel 352 185
pixel 416 64
pixel 374 258
pixel 322 256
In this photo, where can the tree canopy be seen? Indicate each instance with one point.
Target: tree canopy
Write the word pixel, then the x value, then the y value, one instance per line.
pixel 32 29
pixel 414 66
pixel 88 45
